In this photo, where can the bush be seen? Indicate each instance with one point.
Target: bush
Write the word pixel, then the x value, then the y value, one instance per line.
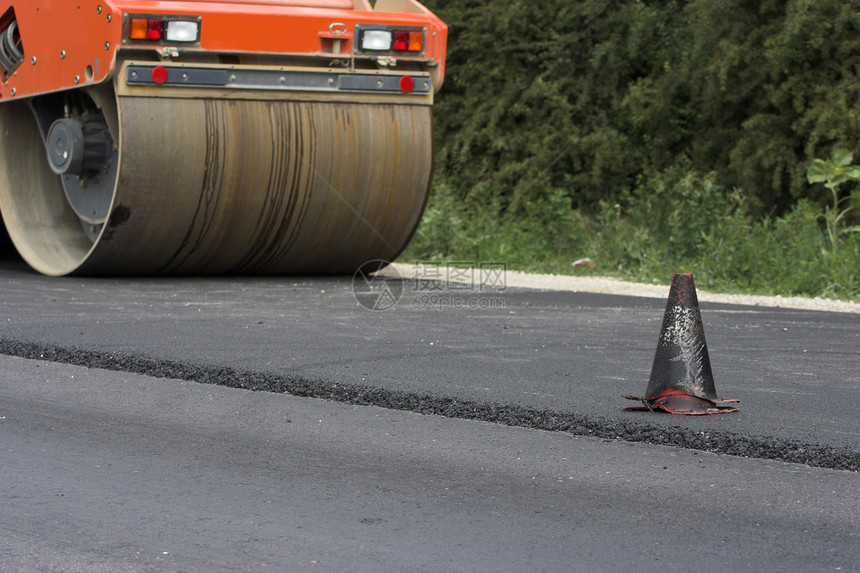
pixel 680 222
pixel 650 136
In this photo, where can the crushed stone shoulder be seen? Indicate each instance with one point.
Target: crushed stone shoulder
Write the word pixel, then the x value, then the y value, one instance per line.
pixel 606 285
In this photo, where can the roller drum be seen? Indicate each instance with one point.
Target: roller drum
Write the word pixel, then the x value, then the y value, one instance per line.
pixel 206 186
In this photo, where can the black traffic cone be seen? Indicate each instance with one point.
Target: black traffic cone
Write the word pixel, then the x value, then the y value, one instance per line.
pixel 681 379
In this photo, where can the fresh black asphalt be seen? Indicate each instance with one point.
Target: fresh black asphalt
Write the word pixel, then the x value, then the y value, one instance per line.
pixel 108 471
pixel 546 360
pixel 131 441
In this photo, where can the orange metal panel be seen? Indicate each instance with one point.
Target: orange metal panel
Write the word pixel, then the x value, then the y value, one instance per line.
pixel 71 44
pixel 340 4
pixel 66 44
pixel 278 27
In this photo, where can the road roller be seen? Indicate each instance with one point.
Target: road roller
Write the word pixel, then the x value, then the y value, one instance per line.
pixel 146 137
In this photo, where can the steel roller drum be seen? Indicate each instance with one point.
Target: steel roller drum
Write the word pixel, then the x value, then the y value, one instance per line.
pixel 206 186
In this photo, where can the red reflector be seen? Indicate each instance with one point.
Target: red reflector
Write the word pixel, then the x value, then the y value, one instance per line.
pixel 154 29
pixel 401 41
pixel 159 74
pixel 406 84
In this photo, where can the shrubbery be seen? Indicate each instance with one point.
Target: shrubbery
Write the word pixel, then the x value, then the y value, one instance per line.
pixel 684 225
pixel 650 136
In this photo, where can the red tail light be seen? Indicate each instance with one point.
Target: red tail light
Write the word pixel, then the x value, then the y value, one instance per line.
pixel 408 42
pixel 162 30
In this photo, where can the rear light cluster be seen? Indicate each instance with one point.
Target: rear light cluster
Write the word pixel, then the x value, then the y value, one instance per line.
pixel 162 29
pixel 379 40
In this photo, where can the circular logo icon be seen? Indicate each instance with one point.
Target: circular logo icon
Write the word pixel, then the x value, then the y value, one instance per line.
pixel 375 291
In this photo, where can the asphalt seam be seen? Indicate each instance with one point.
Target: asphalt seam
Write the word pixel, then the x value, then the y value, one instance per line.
pixel 720 442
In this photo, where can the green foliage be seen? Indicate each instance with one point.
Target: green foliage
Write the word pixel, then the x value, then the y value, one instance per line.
pixel 593 96
pixel 783 256
pixel 683 222
pixel 538 242
pixel 651 136
pixel 833 173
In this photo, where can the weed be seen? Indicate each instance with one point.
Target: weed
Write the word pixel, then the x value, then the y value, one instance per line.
pixel 679 222
pixel 833 173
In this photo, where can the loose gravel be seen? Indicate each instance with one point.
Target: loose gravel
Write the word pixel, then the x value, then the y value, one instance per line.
pixel 603 285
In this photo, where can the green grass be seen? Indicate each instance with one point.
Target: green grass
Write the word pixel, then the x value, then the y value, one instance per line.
pixel 682 223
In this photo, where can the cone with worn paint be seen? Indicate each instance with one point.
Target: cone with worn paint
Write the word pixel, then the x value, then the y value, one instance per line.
pixel 681 379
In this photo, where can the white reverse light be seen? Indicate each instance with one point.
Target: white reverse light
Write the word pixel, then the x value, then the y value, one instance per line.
pixel 376 40
pixel 182 31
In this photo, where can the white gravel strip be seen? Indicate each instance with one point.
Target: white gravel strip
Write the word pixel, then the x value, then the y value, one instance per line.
pixel 613 286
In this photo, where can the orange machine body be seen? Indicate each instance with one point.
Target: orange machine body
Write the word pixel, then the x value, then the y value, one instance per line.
pixel 68 44
pixel 215 137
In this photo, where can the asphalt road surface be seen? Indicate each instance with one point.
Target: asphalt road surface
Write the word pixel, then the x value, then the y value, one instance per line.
pixel 469 427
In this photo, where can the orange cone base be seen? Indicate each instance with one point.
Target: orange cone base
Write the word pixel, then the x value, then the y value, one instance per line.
pixel 674 401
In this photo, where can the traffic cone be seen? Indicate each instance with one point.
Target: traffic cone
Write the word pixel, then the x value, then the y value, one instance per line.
pixel 681 379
